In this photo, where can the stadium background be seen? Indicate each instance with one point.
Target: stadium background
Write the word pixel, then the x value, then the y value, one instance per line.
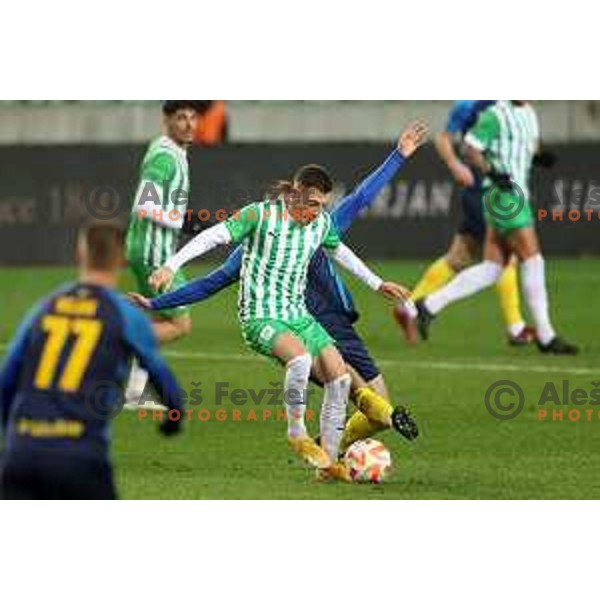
pixel 59 161
pixel 57 157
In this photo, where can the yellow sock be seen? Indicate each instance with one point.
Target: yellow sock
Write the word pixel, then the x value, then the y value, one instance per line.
pixel 373 415
pixel 510 301
pixel 359 427
pixel 375 407
pixel 438 274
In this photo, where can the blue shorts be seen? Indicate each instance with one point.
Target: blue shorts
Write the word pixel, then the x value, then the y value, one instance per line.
pixel 473 218
pixel 351 346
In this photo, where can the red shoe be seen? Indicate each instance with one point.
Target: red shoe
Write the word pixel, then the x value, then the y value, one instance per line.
pixel 526 337
pixel 408 325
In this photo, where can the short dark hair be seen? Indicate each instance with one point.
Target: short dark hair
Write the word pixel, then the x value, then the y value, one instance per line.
pixel 105 241
pixel 170 107
pixel 314 176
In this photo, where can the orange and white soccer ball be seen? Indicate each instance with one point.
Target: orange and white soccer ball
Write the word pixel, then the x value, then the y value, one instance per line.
pixel 368 461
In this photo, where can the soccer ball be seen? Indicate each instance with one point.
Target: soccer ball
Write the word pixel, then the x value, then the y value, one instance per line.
pixel 368 461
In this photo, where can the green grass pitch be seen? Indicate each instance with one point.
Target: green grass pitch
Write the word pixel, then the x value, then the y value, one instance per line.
pixel 463 452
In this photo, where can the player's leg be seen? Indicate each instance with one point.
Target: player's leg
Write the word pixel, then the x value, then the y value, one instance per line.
pixel 171 329
pixel 369 391
pixel 464 249
pixel 292 354
pixel 466 284
pixel 169 326
pixel 507 288
pixel 328 362
pixel 337 383
pixel 379 386
pixel 435 276
pixel 373 414
pixel 465 246
pixel 525 243
pixel 374 409
pixel 276 339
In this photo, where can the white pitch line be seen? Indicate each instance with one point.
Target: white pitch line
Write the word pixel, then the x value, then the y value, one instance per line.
pixel 460 365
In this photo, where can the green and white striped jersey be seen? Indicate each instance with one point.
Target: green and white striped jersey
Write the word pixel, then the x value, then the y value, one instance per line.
pixel 508 134
pixel 163 192
pixel 277 254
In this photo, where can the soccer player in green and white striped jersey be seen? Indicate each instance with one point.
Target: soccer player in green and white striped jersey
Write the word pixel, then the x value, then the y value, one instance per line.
pixel 157 216
pixel 502 146
pixel 280 236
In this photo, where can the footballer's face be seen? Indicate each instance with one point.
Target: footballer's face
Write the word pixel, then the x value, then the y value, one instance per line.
pixel 181 126
pixel 309 204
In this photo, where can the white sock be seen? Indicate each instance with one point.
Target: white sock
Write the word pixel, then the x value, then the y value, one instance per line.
pixel 138 379
pixel 333 415
pixel 516 329
pixel 409 308
pixel 295 387
pixel 533 277
pixel 467 283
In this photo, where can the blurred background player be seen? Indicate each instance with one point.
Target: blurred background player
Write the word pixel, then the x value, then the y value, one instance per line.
pixel 330 302
pixel 213 123
pixel 280 237
pixel 62 379
pixel 502 147
pixel 157 217
pixel 468 242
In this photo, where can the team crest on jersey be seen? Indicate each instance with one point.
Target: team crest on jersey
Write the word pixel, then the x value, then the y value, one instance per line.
pixel 267 333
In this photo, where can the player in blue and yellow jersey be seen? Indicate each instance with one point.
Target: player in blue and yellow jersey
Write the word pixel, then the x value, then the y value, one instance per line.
pixel 504 146
pixel 61 382
pixel 468 242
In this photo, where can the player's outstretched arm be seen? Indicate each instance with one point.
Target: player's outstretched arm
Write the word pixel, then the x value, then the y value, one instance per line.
pixel 350 207
pixel 353 264
pixel 202 244
pixel 235 229
pixel 199 289
pixel 444 144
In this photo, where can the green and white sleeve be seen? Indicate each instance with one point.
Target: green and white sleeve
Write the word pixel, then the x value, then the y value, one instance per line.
pixel 235 229
pixel 244 223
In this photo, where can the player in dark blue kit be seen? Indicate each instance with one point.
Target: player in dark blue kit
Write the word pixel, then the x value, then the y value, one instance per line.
pixel 62 379
pixel 468 241
pixel 329 300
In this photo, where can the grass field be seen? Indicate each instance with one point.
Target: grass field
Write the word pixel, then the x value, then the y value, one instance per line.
pixel 463 451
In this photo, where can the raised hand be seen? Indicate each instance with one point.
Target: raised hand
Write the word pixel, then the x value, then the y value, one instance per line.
pixel 413 138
